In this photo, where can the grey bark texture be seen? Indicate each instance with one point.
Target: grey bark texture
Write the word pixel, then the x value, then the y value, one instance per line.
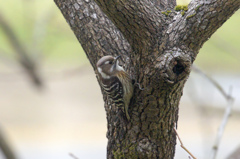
pixel 157 50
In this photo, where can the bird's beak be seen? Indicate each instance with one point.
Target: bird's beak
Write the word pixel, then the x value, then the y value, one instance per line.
pixel 116 58
pixel 115 61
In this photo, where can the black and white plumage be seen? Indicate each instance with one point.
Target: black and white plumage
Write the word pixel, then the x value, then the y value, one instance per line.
pixel 116 82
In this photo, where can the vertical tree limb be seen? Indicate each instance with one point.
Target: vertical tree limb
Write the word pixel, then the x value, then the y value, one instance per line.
pixel 223 124
pixel 160 58
pixel 227 113
pixel 139 21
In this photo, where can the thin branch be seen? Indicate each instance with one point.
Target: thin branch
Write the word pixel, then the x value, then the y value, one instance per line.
pixel 235 154
pixel 227 113
pixel 215 83
pixel 5 148
pixel 181 144
pixel 203 18
pixel 73 156
pixel 223 124
pixel 24 59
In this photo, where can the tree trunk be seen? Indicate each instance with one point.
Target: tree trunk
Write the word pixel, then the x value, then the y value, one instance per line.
pixel 158 46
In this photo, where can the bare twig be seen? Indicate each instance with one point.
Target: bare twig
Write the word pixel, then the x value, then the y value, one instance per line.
pixel 223 124
pixel 217 85
pixel 235 154
pixel 73 156
pixel 5 148
pixel 24 59
pixel 181 144
pixel 227 113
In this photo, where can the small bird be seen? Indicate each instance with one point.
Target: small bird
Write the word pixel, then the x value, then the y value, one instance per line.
pixel 116 82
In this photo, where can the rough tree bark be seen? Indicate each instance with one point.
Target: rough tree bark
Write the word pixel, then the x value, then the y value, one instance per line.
pixel 158 46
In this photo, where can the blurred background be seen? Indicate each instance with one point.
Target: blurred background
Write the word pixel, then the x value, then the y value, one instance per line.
pixel 51 104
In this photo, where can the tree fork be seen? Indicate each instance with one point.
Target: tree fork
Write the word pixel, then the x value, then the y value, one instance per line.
pixel 157 51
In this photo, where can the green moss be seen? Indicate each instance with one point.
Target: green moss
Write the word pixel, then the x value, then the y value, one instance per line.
pixel 196 9
pixel 167 12
pixel 118 154
pixel 185 7
pixel 181 7
pixel 183 12
pixel 191 16
pixel 178 8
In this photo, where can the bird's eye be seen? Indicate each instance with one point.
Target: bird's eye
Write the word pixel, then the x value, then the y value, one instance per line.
pixel 110 62
pixel 107 62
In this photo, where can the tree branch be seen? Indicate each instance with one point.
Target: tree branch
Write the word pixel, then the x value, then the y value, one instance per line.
pixel 181 144
pixel 223 124
pixel 161 68
pixel 5 148
pixel 165 4
pixel 227 113
pixel 93 29
pixel 139 21
pixel 215 83
pixel 27 63
pixel 201 20
pixel 235 154
pixel 73 156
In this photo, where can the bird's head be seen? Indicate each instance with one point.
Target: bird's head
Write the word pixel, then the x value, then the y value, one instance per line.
pixel 108 66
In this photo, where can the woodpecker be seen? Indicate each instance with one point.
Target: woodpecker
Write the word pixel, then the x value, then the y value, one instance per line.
pixel 116 82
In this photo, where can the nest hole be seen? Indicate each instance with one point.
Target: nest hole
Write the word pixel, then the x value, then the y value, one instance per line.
pixel 178 67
